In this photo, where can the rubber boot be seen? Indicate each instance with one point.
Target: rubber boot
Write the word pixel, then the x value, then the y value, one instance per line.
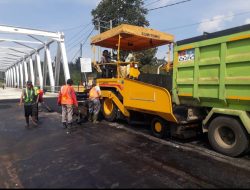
pixel 89 117
pixel 27 122
pixel 69 128
pixel 95 116
pixel 64 125
pixel 34 121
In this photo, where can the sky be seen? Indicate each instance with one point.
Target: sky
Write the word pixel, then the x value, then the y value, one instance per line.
pixel 73 17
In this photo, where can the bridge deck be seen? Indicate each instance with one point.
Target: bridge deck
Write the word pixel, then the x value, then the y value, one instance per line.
pixel 15 93
pixel 103 155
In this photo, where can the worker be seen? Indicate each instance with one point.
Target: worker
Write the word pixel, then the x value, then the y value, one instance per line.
pixel 30 99
pixel 36 89
pixel 94 102
pixel 40 94
pixel 134 71
pixel 105 57
pixel 41 101
pixel 67 99
pixel 107 68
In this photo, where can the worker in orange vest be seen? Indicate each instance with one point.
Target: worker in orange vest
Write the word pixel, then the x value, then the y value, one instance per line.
pixel 94 102
pixel 67 99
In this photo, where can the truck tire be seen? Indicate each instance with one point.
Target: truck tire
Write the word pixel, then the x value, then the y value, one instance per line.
pixel 109 109
pixel 227 136
pixel 158 127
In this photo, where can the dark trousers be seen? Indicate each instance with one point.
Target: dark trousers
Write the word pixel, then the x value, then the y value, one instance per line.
pixel 30 110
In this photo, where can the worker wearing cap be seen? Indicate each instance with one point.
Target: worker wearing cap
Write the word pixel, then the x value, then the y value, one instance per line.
pixel 67 99
pixel 30 100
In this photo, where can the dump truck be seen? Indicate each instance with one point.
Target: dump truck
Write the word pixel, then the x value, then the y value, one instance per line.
pixel 208 90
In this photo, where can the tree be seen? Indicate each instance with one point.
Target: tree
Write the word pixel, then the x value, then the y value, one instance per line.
pixel 123 12
pixel 147 56
pixel 75 71
pixel 120 12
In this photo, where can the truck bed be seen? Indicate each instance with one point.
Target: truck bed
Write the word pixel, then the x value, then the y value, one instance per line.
pixel 214 71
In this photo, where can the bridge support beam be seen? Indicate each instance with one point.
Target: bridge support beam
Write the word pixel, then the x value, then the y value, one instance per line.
pixel 21 75
pixel 32 78
pixel 17 74
pixel 48 62
pixel 39 70
pixel 17 62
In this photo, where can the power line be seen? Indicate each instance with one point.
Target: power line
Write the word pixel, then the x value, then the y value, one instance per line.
pixel 73 28
pixel 169 5
pixel 210 20
pixel 78 51
pixel 88 36
pixel 151 3
pixel 74 45
pixel 82 43
pixel 76 38
pixel 77 34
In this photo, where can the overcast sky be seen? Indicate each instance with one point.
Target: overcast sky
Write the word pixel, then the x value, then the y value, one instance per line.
pixel 73 17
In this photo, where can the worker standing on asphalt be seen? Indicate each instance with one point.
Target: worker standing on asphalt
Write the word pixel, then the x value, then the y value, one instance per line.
pixel 94 102
pixel 30 100
pixel 67 99
pixel 36 89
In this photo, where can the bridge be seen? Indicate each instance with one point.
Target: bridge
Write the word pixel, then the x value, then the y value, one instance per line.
pixel 103 155
pixel 20 57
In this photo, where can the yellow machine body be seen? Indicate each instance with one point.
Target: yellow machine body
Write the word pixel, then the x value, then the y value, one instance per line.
pixel 139 96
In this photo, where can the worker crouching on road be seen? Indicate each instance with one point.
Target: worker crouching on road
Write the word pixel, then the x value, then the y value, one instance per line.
pixel 67 99
pixel 94 102
pixel 30 99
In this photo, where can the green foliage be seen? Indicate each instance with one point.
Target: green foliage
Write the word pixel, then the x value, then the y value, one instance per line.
pixel 75 71
pixel 120 12
pixel 124 12
pixel 152 69
pixel 146 57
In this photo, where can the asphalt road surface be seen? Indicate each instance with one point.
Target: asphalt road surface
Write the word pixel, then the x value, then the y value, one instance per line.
pixel 106 155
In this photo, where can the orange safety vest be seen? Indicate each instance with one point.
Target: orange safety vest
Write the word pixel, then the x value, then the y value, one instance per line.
pixel 93 94
pixel 66 95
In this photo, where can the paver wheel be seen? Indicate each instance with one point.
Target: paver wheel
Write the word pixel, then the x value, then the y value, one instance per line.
pixel 227 136
pixel 109 109
pixel 158 127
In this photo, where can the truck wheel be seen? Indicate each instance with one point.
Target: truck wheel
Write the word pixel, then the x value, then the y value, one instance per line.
pixel 227 136
pixel 109 109
pixel 158 127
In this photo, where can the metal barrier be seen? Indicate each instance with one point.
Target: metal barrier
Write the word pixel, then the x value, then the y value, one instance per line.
pixel 54 89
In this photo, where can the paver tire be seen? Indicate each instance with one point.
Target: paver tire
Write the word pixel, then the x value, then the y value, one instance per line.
pixel 109 109
pixel 158 127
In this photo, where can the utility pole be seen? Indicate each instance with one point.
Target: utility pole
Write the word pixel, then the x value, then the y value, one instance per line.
pixel 86 81
pixel 99 32
pixel 80 63
pixel 111 25
pixel 80 49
